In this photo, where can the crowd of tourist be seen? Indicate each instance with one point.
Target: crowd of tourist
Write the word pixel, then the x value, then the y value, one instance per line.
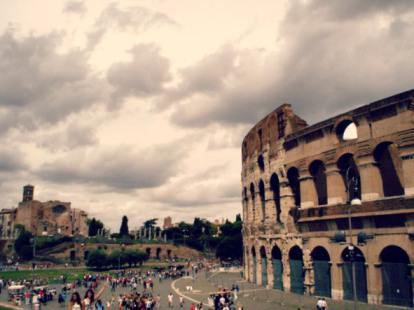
pixel 125 290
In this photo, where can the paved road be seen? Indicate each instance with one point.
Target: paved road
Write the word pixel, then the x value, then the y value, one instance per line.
pixel 253 297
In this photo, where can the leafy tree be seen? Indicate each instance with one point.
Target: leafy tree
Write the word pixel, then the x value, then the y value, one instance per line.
pixel 94 226
pixel 97 259
pixel 150 223
pixel 124 231
pixel 23 246
pixel 230 248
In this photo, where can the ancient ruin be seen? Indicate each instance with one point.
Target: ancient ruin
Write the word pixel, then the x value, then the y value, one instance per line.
pixel 297 185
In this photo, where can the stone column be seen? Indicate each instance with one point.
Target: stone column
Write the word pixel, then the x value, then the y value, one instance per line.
pixel 407 166
pixel 371 180
pixel 336 186
pixel 374 283
pixel 307 191
pixel 336 278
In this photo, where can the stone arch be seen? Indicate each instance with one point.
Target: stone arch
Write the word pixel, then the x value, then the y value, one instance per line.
pixel 346 165
pixel 293 178
pixel 254 262
pixel 389 163
pixel 158 253
pixel 261 163
pixel 263 258
pixel 277 268
pixel 252 195
pixel 396 277
pixel 357 258
pixel 297 275
pixel 275 186
pixel 262 194
pixel 342 125
pixel 318 172
pixel 321 271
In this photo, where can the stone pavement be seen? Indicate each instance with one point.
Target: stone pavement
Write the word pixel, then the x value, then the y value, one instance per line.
pixel 258 298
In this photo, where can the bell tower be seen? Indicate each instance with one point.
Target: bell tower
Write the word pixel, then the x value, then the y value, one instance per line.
pixel 28 192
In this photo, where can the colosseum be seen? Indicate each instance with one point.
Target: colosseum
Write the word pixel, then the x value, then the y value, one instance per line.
pixel 324 202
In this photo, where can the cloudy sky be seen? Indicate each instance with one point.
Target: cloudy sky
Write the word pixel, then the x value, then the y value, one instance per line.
pixel 139 107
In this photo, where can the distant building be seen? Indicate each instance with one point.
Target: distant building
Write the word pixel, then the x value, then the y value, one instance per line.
pixel 43 218
pixel 7 221
pixel 167 222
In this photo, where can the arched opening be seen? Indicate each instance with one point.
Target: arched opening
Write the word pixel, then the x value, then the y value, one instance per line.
pixel 275 186
pixel 158 253
pixel 262 199
pixel 396 277
pixel 348 168
pixel 85 255
pixel 389 163
pixel 321 271
pixel 293 177
pixel 254 265
pixel 264 266
pixel 261 163
pixel 169 254
pixel 297 276
pixel 148 251
pixel 72 254
pixel 277 268
pixel 317 171
pixel 245 204
pixel 360 274
pixel 252 194
pixel 346 130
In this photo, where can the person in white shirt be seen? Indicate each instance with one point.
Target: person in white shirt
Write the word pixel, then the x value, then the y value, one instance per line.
pixel 170 300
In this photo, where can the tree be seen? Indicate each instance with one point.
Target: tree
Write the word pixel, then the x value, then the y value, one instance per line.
pixel 23 245
pixel 94 227
pixel 150 223
pixel 230 248
pixel 97 259
pixel 124 231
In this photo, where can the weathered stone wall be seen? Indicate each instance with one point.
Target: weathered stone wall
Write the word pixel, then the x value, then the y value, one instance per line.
pixel 294 191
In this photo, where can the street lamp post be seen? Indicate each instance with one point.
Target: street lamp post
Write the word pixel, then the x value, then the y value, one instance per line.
pixel 353 201
pixel 351 134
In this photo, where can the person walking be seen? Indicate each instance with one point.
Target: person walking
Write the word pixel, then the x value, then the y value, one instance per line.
pixel 170 300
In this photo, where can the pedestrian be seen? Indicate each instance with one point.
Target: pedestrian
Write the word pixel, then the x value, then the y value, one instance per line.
pixel 170 300
pixel 181 302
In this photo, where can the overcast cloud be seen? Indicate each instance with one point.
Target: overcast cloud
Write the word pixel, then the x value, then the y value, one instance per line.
pixel 140 108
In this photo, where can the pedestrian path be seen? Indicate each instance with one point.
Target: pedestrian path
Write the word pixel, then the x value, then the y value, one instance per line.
pixel 258 298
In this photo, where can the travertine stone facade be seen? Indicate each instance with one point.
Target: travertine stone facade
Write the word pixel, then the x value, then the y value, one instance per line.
pixel 295 202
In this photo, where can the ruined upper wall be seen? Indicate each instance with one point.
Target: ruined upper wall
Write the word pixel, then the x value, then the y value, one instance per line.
pixel 275 126
pixel 372 120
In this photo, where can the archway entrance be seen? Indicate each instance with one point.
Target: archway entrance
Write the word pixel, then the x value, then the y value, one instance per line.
pixel 321 271
pixel 396 277
pixel 277 268
pixel 254 265
pixel 296 270
pixel 264 266
pixel 360 272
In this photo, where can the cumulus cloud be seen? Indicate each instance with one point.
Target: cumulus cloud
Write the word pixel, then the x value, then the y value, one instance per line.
pixel 119 168
pixel 12 161
pixel 75 7
pixel 40 86
pixel 134 19
pixel 72 136
pixel 144 75
pixel 204 188
pixel 326 57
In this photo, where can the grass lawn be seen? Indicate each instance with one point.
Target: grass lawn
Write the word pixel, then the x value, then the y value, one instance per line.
pixel 53 275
